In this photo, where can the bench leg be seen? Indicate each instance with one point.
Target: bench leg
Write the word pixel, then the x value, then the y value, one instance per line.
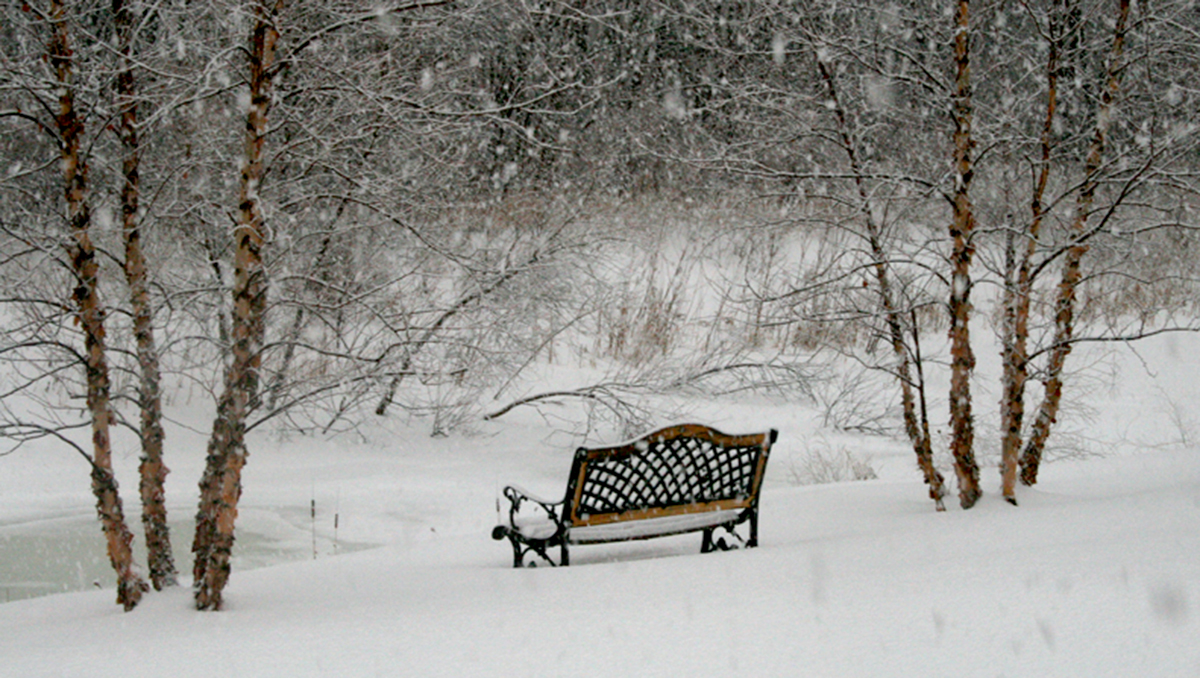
pixel 542 549
pixel 502 532
pixel 709 543
pixel 519 550
pixel 522 547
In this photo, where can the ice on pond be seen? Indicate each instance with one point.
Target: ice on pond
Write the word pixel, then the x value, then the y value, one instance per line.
pixel 67 553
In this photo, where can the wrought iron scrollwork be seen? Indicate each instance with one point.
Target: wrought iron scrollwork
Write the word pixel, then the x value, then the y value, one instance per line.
pixel 522 544
pixel 730 539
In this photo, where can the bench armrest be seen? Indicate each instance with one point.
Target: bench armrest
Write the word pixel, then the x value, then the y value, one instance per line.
pixel 517 497
pixel 518 493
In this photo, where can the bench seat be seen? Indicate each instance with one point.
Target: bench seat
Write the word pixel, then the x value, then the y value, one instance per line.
pixel 535 527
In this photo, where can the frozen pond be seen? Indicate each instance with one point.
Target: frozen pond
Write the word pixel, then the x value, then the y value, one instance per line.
pixel 66 552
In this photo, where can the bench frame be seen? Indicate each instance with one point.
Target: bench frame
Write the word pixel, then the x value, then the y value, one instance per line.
pixel 679 479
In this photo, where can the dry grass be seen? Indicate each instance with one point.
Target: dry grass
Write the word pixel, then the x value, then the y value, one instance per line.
pixel 822 463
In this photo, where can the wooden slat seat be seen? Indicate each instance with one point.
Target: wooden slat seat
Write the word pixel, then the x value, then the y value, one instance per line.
pixel 679 479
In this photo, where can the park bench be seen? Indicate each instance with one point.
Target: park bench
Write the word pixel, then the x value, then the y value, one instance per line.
pixel 685 478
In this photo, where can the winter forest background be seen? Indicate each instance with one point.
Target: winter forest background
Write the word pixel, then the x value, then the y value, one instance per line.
pixel 322 212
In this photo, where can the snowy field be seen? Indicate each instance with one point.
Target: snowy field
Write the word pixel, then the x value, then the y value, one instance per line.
pixel 1097 573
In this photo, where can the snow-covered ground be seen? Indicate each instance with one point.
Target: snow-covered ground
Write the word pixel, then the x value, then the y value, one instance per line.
pixel 1097 573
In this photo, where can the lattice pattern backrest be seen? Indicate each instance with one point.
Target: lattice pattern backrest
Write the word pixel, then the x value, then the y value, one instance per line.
pixel 656 473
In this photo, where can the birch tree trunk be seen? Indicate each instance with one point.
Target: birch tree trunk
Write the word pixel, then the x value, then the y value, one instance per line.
pixel 90 316
pixel 962 232
pixel 221 484
pixel 915 425
pixel 153 471
pixel 1064 317
pixel 1019 290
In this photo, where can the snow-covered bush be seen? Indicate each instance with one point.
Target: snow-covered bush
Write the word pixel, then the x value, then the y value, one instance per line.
pixel 824 463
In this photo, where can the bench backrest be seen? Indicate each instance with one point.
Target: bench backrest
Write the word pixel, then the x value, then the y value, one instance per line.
pixel 689 468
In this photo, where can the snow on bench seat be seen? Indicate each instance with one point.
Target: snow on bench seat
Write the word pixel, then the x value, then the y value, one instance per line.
pixel 650 527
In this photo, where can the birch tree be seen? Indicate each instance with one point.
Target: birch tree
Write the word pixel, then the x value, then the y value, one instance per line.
pixel 916 420
pixel 153 471
pixel 1018 289
pixel 90 309
pixel 1106 183
pixel 1064 317
pixel 221 484
pixel 962 233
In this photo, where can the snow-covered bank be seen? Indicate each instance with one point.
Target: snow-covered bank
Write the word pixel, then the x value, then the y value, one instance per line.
pixel 1097 573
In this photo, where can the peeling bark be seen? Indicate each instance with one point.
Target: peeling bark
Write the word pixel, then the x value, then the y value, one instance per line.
pixel 153 471
pixel 962 232
pixel 90 316
pixel 221 484
pixel 1064 316
pixel 1019 290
